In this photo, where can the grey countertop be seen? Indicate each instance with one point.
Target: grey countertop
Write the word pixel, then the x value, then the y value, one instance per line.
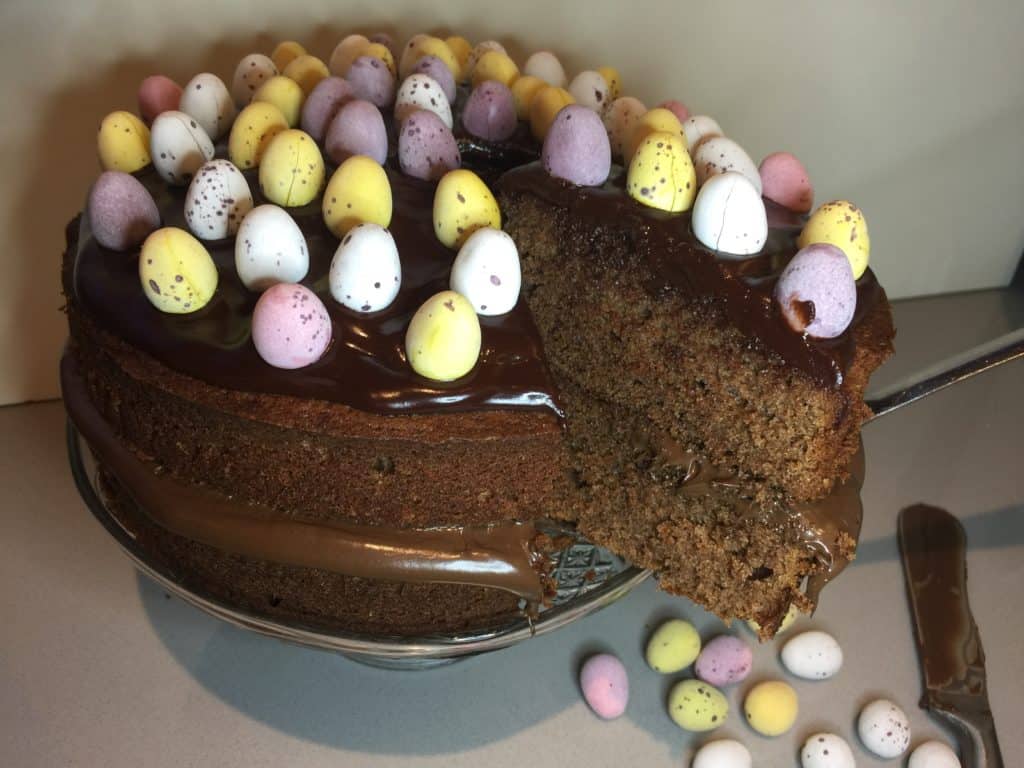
pixel 98 667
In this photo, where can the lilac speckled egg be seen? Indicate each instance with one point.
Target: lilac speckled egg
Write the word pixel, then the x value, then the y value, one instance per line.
pixel 577 148
pixel 490 112
pixel 426 147
pixel 322 104
pixel 816 291
pixel 605 685
pixel 290 326
pixel 372 81
pixel 121 211
pixel 784 180
pixel 724 661
pixel 437 69
pixel 677 108
pixel 158 94
pixel 357 129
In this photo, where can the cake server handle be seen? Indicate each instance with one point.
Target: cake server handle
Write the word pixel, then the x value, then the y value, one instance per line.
pixel 979 359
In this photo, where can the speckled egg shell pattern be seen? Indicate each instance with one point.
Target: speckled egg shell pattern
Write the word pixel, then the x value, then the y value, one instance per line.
pixel 420 91
pixel 462 205
pixel 546 66
pixel 433 67
pixel 177 273
pixel 487 272
pixel 292 169
pixel 372 81
pixel 322 104
pixel 179 146
pixel 290 326
pixel 270 249
pixel 697 706
pixel 722 753
pixel 252 71
pixel 427 149
pixel 254 129
pixel 490 112
pixel 208 100
pixel 826 750
pixel 725 660
pixel 357 129
pixel 124 143
pixel 718 154
pixel 700 127
pixel 358 191
pixel 121 211
pixel 661 175
pixel 620 119
pixel 366 272
pixel 349 49
pixel 576 148
pixel 813 655
pixel 884 728
pixel 590 89
pixel 217 200
pixel 729 215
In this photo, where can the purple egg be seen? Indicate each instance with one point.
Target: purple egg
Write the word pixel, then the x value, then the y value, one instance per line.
pixel 121 211
pixel 437 69
pixel 323 103
pixel 426 147
pixel 290 326
pixel 357 129
pixel 490 112
pixel 605 685
pixel 372 81
pixel 723 661
pixel 576 148
pixel 816 291
pixel 158 94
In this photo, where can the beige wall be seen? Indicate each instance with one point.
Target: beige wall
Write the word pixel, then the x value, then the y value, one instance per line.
pixel 914 113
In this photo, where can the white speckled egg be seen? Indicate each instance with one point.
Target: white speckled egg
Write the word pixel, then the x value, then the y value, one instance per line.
pixel 813 655
pixel 729 215
pixel 546 66
pixel 218 199
pixel 590 89
pixel 208 100
pixel 270 249
pixel 717 154
pixel 698 128
pixel 421 91
pixel 366 272
pixel 933 754
pixel 884 728
pixel 826 750
pixel 620 119
pixel 722 753
pixel 486 272
pixel 179 147
pixel 252 71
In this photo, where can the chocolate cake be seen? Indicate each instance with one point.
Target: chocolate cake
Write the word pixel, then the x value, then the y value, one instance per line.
pixel 644 389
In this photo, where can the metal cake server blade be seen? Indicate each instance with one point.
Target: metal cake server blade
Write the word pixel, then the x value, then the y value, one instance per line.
pixel 933 547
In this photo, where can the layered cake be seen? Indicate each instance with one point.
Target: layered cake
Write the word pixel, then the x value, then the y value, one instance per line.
pixel 355 342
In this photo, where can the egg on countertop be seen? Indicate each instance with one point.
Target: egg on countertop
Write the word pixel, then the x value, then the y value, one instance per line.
pixel 718 154
pixel 546 66
pixel 123 143
pixel 433 67
pixel 270 249
pixel 358 191
pixel 841 224
pixel 884 728
pixel 620 119
pixel 345 52
pixel 419 91
pixel 722 753
pixel 121 211
pixel 494 65
pixel 826 750
pixel 366 271
pixel 813 655
pixel 462 205
pixel 285 94
pixel 177 272
pixel 590 89
pixel 771 707
pixel 698 128
pixel 933 754
pixel 729 215
pixel 544 107
pixel 725 660
pixel 322 104
pixel 605 685
pixel 490 112
pixel 487 272
pixel 290 326
pixel 357 129
pixel 427 149
pixel 292 169
pixel 158 93
pixel 217 200
pixel 372 81
pixel 697 706
pixel 442 342
pixel 252 71
pixel 207 99
pixel 253 130
pixel 179 147
pixel 576 148
pixel 661 175
pixel 672 647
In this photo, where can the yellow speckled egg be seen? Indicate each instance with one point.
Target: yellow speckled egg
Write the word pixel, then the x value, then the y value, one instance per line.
pixel 674 645
pixel 523 91
pixel 495 65
pixel 123 143
pixel 657 119
pixel 425 45
pixel 285 94
pixel 177 273
pixel 463 204
pixel 252 132
pixel 359 191
pixel 547 103
pixel 307 71
pixel 841 224
pixel 614 80
pixel 443 339
pixel 696 706
pixel 285 52
pixel 382 52
pixel 292 169
pixel 661 174
pixel 460 48
pixel 771 707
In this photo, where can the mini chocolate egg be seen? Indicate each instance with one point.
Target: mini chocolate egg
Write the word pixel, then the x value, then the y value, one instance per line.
pixel 124 143
pixel 253 129
pixel 284 52
pixel 307 71
pixel 523 91
pixel 252 71
pixel 784 180
pixel 678 109
pixel 672 647
pixel 718 154
pixel 177 273
pixel 544 106
pixel 383 54
pixel 121 211
pixel 372 81
pixel 217 200
pixel 699 127
pixel 179 147
pixel 383 38
pixel 661 175
pixel 590 89
pixel 285 94
pixel 486 272
pixel 157 94
pixel 697 706
pixel 419 91
pixel 410 53
pixel 771 707
pixel 477 53
pixel 322 104
pixel 462 205
pixel 292 169
pixel 826 750
pixel 842 224
pixel 426 148
pixel 576 148
pixel 729 215
pixel 426 45
pixel 620 119
pixel 722 753
pixel 725 660
pixel 787 621
pixel 546 66
pixel 813 655
pixel 460 48
pixel 347 51
pixel 357 129
pixel 494 65
pixel 290 326
pixel 358 191
pixel 614 80
pixel 884 729
pixel 442 342
pixel 433 67
pixel 366 272
pixel 933 754
pixel 270 249
pixel 605 685
pixel 490 112
pixel 657 119
pixel 209 101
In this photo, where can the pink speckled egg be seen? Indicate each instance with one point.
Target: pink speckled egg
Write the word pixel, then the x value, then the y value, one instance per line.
pixel 577 148
pixel 157 94
pixel 677 108
pixel 290 326
pixel 605 685
pixel 121 211
pixel 372 81
pixel 784 180
pixel 322 104
pixel 426 147
pixel 816 291
pixel 490 112
pixel 724 661
pixel 357 129
pixel 437 69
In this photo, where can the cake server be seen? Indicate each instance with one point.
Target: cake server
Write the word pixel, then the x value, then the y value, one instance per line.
pixel 933 546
